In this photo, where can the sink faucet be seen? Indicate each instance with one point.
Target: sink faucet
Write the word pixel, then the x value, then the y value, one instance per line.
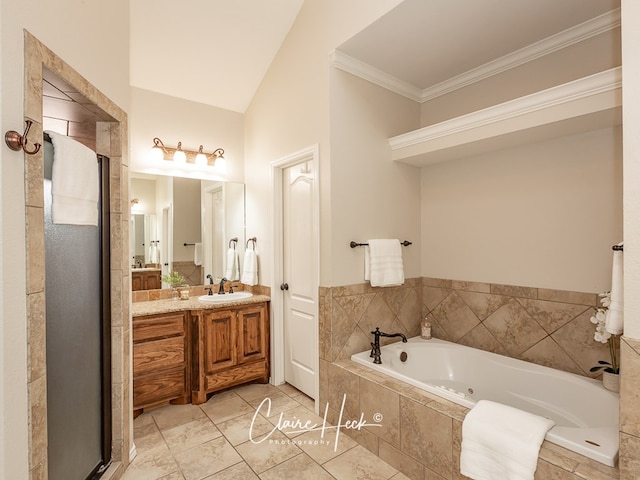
pixel 221 289
pixel 210 283
pixel 375 346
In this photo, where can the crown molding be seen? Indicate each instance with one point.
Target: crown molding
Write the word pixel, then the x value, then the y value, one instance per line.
pixel 378 77
pixel 571 36
pixel 561 95
pixel 579 33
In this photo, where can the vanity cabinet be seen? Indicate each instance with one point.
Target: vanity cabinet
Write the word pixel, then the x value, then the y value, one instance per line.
pixel 147 280
pixel 161 351
pixel 231 347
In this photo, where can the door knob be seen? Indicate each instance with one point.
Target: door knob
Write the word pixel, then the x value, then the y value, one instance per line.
pixel 284 286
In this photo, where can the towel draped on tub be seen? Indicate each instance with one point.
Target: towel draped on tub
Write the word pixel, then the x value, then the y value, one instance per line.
pixel 500 442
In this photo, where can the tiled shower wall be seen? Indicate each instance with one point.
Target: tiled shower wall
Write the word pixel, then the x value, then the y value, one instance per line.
pixel 548 327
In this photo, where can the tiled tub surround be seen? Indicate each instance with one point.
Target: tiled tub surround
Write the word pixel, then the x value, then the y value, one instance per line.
pixel 421 432
pixel 543 326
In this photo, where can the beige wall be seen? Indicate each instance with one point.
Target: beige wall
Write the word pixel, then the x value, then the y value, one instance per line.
pixel 290 111
pixel 596 54
pixel 62 26
pixel 542 215
pixel 631 150
pixel 371 197
pixel 176 120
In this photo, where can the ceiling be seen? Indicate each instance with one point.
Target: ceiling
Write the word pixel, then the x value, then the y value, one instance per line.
pixel 217 52
pixel 424 43
pixel 214 52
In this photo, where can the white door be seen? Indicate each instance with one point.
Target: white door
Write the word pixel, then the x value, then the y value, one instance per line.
pixel 300 276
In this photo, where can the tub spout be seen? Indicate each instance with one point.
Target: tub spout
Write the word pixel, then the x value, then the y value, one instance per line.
pixel 375 346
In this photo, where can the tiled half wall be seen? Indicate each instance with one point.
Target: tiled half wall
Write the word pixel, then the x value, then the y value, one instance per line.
pixel 543 326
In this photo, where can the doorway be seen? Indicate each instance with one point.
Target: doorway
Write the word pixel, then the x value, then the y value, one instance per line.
pixel 296 270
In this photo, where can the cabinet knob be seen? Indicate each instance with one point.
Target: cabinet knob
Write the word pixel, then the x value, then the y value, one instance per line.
pixel 284 286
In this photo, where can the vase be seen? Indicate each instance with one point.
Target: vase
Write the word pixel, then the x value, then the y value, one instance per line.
pixel 611 381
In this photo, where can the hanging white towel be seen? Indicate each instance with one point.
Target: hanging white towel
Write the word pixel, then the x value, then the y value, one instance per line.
pixel 250 267
pixel 232 272
pixel 501 442
pixel 153 252
pixel 75 182
pixel 614 321
pixel 197 253
pixel 383 263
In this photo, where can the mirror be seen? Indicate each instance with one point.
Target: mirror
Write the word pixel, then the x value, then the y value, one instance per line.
pixel 186 225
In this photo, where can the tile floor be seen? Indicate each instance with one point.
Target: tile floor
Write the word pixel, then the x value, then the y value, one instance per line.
pixel 212 441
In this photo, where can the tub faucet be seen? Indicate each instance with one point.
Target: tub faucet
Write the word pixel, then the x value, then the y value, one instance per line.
pixel 375 346
pixel 210 283
pixel 221 289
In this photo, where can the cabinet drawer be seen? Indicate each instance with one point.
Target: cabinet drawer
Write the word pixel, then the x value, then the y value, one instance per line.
pixel 158 327
pixel 158 355
pixel 158 387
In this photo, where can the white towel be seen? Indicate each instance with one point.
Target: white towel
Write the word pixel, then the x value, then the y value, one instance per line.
pixel 614 321
pixel 197 253
pixel 250 267
pixel 383 263
pixel 232 272
pixel 75 182
pixel 500 442
pixel 153 252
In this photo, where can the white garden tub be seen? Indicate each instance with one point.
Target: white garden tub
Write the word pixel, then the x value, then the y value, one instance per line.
pixel 585 414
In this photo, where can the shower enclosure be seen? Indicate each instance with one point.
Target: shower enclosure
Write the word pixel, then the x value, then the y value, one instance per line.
pixel 78 336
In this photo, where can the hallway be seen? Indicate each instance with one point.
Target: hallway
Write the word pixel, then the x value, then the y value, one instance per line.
pixel 211 441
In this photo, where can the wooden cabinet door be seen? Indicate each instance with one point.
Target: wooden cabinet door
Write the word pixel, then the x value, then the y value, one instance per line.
pixel 220 340
pixel 152 281
pixel 137 281
pixel 253 335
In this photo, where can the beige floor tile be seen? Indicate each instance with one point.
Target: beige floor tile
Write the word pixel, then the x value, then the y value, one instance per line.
pixel 359 463
pixel 298 467
pixel 173 476
pixel 151 465
pixel 305 401
pixel 254 391
pixel 272 450
pixel 227 409
pixel 218 397
pixel 173 415
pixel 189 435
pixel 400 476
pixel 148 441
pixel 323 448
pixel 296 421
pixel 240 471
pixel 288 389
pixel 206 459
pixel 237 429
pixel 273 405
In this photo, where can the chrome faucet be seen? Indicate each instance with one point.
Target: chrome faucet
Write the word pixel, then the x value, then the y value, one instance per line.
pixel 210 283
pixel 375 346
pixel 221 289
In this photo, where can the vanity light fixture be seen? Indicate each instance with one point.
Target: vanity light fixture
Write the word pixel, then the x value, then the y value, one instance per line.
pixel 179 155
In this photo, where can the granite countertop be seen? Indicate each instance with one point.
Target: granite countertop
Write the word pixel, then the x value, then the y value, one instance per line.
pixel 167 306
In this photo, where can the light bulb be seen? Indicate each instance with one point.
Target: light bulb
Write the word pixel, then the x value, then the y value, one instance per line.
pixel 156 154
pixel 179 156
pixel 201 158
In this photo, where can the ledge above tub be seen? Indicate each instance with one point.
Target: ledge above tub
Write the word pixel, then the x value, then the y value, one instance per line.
pixel 589 103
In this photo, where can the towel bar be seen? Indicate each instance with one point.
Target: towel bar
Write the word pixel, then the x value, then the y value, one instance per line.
pixel 234 240
pixel 353 244
pixel 188 244
pixel 252 239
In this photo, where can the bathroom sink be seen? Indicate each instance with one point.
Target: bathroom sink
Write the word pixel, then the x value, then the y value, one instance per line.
pixel 227 297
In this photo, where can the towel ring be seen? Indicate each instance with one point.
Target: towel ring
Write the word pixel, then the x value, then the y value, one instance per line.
pixel 234 240
pixel 252 239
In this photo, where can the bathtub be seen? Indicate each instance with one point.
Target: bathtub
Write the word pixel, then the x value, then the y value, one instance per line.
pixel 585 414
